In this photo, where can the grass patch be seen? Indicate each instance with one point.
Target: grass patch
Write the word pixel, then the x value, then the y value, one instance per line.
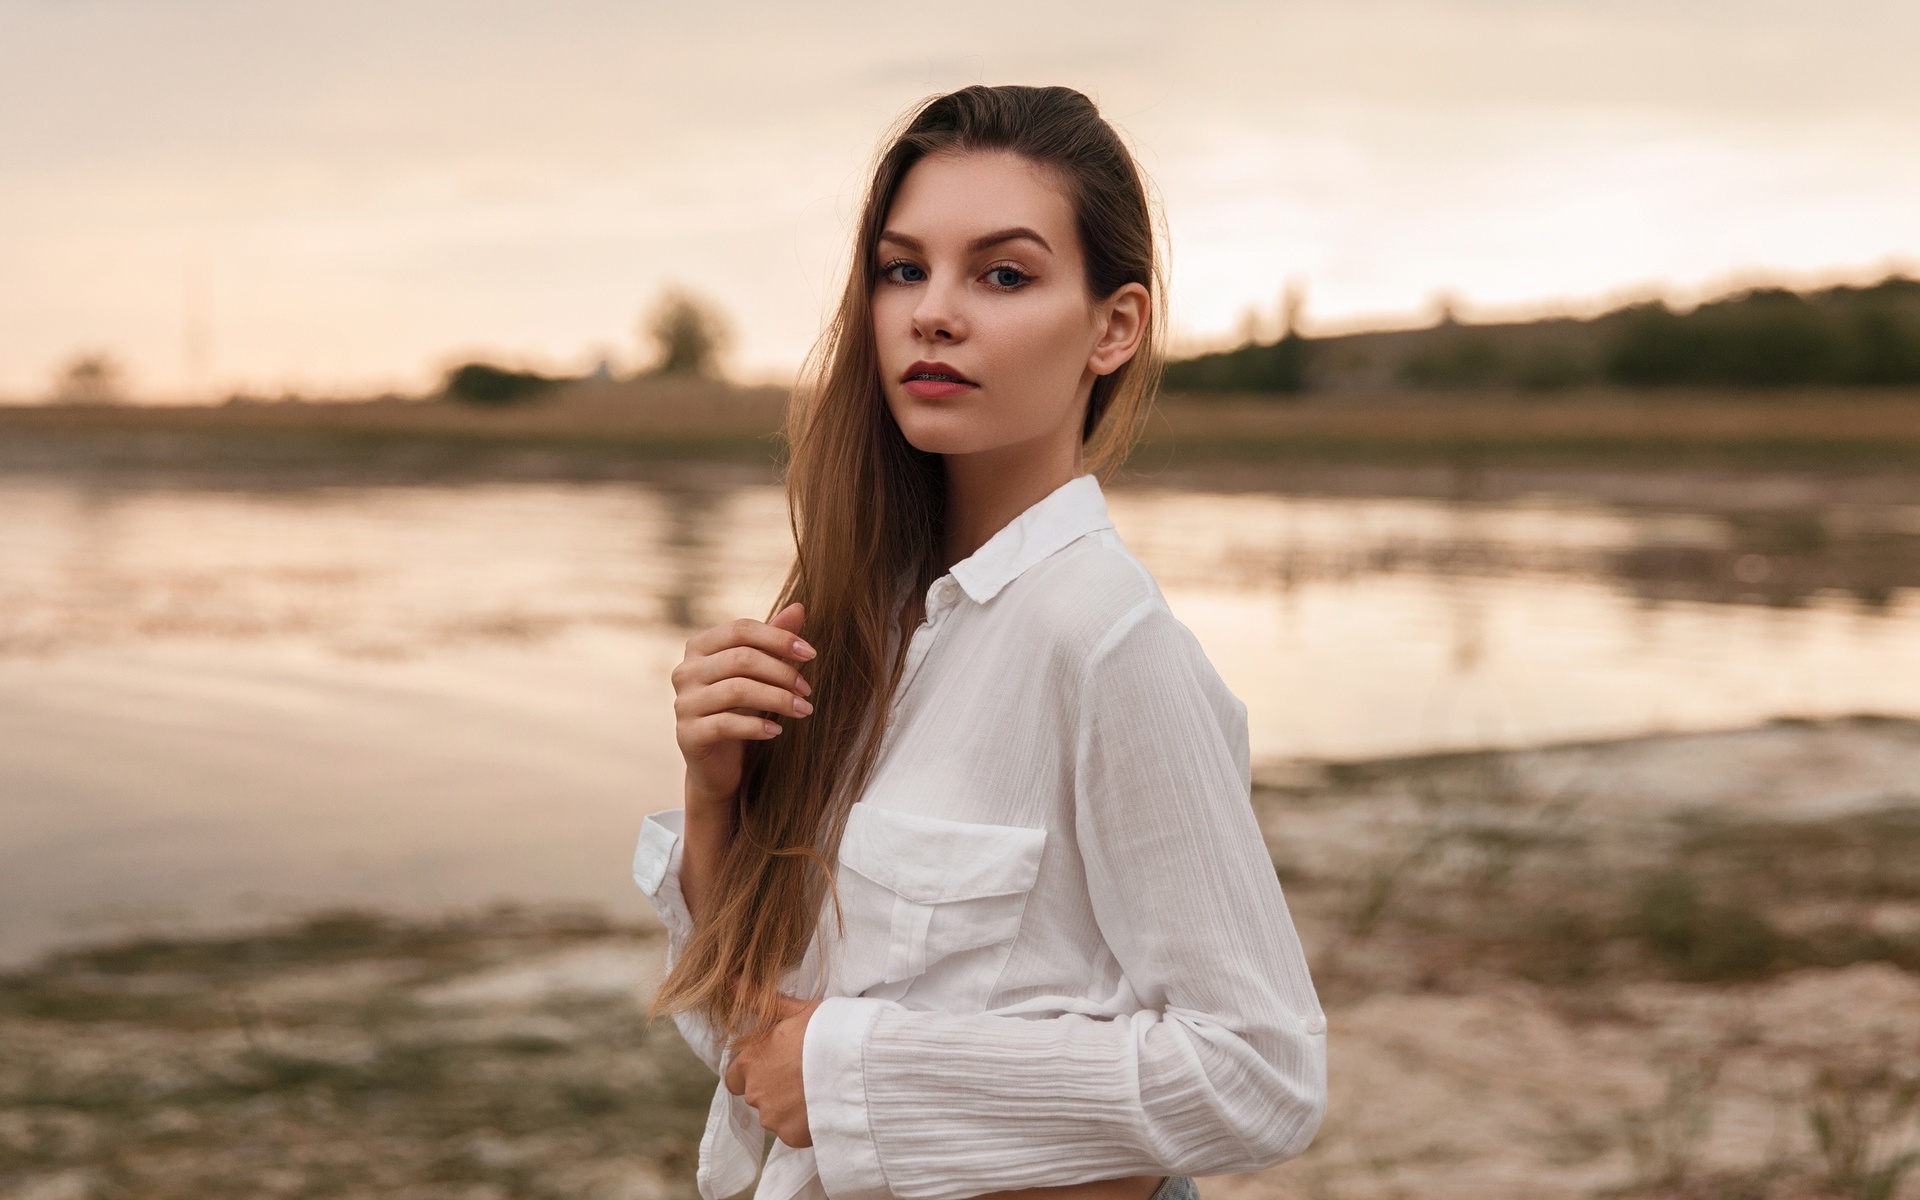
pixel 299 1064
pixel 1699 939
pixel 1465 867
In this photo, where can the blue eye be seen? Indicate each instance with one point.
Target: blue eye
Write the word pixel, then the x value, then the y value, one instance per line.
pixel 1006 277
pixel 902 272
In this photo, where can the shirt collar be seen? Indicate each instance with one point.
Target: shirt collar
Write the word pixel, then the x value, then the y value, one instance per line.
pixel 1068 513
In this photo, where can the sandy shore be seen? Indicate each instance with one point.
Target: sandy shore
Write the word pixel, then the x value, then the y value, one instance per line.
pixel 1684 966
pixel 1656 967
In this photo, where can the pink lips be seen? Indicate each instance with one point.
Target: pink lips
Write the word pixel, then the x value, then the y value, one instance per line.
pixel 936 381
pixel 934 389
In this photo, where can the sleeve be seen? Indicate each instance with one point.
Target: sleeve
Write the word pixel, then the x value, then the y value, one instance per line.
pixel 656 868
pixel 1224 1067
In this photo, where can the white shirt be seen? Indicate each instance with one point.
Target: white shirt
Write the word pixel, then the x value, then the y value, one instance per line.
pixel 1066 956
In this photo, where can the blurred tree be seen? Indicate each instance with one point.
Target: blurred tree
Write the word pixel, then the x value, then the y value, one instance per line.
pixel 1758 338
pixel 1652 344
pixel 1885 321
pixel 89 379
pixel 689 335
pixel 484 383
pixel 1552 369
pixel 1776 337
pixel 1456 359
pixel 1773 337
pixel 1280 367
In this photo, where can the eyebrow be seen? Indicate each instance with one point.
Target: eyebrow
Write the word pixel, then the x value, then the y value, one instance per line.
pixel 1015 234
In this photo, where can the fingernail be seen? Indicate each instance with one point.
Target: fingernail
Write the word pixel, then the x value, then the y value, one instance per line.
pixel 773 728
pixel 801 685
pixel 802 707
pixel 802 651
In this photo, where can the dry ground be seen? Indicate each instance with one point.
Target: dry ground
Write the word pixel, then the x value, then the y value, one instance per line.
pixel 350 1056
pixel 656 407
pixel 581 431
pixel 1831 426
pixel 614 428
pixel 1683 966
pixel 1669 967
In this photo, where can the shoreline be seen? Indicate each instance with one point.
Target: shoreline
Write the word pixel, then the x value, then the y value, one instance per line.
pixel 1795 759
pixel 642 428
pixel 1615 968
pixel 124 460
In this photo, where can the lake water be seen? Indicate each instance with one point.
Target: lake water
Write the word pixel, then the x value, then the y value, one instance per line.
pixel 221 705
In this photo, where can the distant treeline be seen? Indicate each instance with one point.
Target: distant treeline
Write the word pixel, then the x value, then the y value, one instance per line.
pixel 688 335
pixel 1768 337
pixel 484 383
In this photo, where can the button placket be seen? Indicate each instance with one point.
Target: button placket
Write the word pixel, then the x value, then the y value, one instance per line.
pixel 940 601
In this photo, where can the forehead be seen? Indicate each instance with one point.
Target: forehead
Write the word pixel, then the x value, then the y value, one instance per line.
pixel 964 195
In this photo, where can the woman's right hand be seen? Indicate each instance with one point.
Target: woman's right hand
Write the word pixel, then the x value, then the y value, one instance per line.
pixel 732 675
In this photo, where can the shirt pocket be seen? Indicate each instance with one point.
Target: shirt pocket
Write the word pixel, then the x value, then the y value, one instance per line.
pixel 929 902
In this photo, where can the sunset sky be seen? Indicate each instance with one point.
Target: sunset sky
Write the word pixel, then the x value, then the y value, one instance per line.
pixel 347 196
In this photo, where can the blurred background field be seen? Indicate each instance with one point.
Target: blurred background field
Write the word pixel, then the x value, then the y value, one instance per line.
pixel 1540 463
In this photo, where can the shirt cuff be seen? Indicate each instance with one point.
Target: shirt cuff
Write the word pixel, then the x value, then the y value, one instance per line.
pixel 656 868
pixel 833 1070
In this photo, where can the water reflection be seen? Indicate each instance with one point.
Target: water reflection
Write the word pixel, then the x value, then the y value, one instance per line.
pixel 1776 558
pixel 405 571
pixel 1785 559
pixel 686 544
pixel 247 702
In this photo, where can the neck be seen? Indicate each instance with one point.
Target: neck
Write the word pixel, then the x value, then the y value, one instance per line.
pixel 987 490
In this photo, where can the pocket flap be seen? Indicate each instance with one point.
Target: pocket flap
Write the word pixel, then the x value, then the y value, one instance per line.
pixel 930 860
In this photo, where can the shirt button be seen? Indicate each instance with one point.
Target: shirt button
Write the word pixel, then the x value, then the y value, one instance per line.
pixel 1314 1023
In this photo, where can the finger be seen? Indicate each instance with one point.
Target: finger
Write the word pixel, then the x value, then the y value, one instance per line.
pixel 699 735
pixel 736 694
pixel 747 632
pixel 741 662
pixel 790 618
pixel 736 1078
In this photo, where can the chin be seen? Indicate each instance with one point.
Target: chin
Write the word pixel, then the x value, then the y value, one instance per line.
pixel 940 431
pixel 933 438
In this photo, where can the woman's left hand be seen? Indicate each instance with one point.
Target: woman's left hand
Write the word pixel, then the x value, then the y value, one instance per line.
pixel 766 1074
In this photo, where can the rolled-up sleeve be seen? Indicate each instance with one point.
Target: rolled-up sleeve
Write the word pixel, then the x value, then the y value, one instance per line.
pixel 1224 1067
pixel 656 869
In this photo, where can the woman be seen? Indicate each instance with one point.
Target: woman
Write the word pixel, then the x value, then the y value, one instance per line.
pixel 1050 956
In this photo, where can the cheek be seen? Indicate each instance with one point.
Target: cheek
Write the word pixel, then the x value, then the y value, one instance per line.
pixel 1043 343
pixel 880 320
pixel 891 314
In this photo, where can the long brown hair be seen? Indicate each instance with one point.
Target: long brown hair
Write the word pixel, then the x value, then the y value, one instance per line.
pixel 867 511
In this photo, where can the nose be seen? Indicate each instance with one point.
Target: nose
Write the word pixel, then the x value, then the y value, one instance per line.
pixel 937 316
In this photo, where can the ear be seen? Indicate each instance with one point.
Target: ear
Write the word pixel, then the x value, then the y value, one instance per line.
pixel 1123 316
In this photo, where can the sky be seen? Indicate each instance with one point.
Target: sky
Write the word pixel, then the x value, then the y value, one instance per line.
pixel 347 196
